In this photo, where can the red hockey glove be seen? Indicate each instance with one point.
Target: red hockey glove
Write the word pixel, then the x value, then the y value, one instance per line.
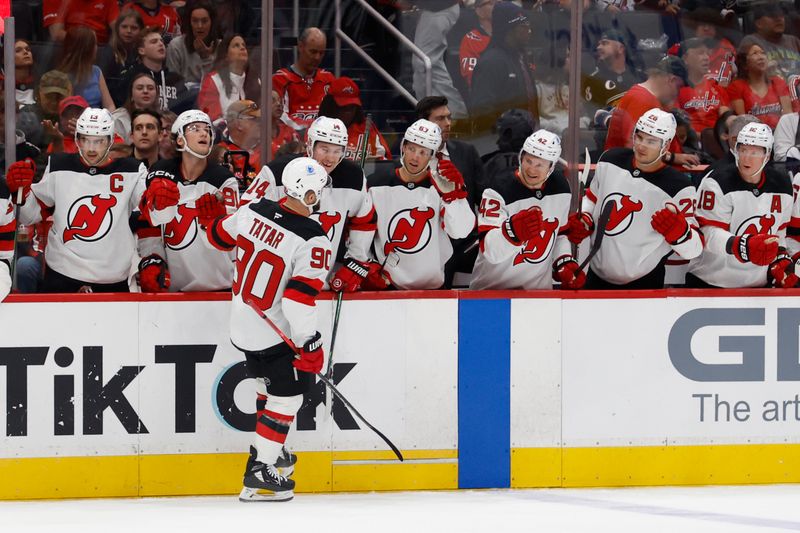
pixel 671 224
pixel 781 271
pixel 153 274
pixel 20 176
pixel 208 208
pixel 311 355
pixel 378 279
pixel 567 270
pixel 760 249
pixel 162 193
pixel 349 276
pixel 448 181
pixel 523 226
pixel 579 226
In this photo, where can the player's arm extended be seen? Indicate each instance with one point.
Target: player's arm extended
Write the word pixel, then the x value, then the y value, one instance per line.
pixel 713 215
pixel 310 267
pixel 223 231
pixel 494 243
pixel 690 245
pixel 458 218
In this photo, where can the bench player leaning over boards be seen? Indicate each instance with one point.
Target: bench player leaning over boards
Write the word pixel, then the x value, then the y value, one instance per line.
pixel 652 212
pixel 744 210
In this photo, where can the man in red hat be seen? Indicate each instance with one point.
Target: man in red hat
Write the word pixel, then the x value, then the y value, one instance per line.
pixel 63 131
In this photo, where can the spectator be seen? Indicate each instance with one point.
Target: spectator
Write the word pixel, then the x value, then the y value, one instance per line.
pixel 143 95
pixel 730 129
pixel 78 57
pixel 782 51
pixel 62 132
pixel 23 72
pixel 755 91
pixel 166 144
pixel 243 133
pixel 552 88
pixel 343 102
pixel 660 90
pixel 502 78
pixel 302 86
pixel 702 98
pixel 157 15
pixel 124 38
pixel 612 76
pixel 476 40
pixel 59 16
pixel 145 132
pixel 230 80
pixel 705 22
pixel 191 55
pixel 282 133
pixel 54 86
pixel 512 128
pixel 437 18
pixel 787 138
pixel 172 93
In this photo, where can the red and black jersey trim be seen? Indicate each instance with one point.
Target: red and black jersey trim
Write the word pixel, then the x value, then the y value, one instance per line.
pixel 7 236
pixel 711 222
pixel 273 426
pixel 218 237
pixel 772 181
pixel 368 222
pixel 73 163
pixel 303 290
pixel 304 227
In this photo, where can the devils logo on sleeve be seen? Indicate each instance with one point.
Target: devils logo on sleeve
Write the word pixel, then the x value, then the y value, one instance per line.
pixel 756 224
pixel 89 218
pixel 328 221
pixel 409 231
pixel 621 213
pixel 538 248
pixel 181 231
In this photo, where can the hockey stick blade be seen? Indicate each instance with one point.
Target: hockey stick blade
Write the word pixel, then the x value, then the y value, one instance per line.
pixel 325 380
pixel 605 215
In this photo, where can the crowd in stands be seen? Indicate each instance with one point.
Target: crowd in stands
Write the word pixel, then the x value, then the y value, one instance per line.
pixel 496 66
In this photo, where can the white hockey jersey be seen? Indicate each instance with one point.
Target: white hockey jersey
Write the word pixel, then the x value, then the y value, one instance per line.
pixel 282 260
pixel 727 206
pixel 194 265
pixel 631 248
pixel 344 209
pixel 502 264
pixel 7 224
pixel 415 223
pixel 90 239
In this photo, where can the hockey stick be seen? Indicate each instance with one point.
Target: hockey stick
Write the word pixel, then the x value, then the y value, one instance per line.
pixel 16 241
pixel 582 179
pixel 605 215
pixel 325 380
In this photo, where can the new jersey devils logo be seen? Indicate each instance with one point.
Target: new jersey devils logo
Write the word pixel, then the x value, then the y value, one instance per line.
pixel 756 224
pixel 622 212
pixel 538 249
pixel 328 221
pixel 181 231
pixel 409 231
pixel 89 218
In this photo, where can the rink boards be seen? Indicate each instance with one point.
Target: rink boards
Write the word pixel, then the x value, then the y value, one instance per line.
pixel 125 396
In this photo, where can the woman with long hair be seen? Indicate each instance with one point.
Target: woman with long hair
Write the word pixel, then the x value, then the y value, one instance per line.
pixel 229 81
pixel 192 54
pixel 124 36
pixel 756 91
pixel 23 69
pixel 142 94
pixel 78 61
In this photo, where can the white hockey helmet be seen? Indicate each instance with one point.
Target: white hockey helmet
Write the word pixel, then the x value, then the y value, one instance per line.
pixel 190 117
pixel 545 145
pixel 304 174
pixel 327 130
pixel 755 134
pixel 94 122
pixel 424 133
pixel 657 123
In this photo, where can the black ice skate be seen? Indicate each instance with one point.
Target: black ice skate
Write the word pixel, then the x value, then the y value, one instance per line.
pixel 285 463
pixel 264 483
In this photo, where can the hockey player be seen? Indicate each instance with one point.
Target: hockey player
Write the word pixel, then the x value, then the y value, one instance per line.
pixel 90 246
pixel 283 259
pixel 418 206
pixel 652 212
pixel 345 210
pixel 522 221
pixel 7 226
pixel 176 254
pixel 743 211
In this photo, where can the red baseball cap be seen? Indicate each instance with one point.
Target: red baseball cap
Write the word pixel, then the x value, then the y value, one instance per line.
pixel 79 101
pixel 345 92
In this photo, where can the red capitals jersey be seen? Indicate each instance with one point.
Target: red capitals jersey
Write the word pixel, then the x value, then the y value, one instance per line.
pixel 702 103
pixel 165 18
pixel 727 206
pixel 633 105
pixel 766 108
pixel 282 260
pixel 345 210
pixel 502 264
pixel 7 224
pixel 194 265
pixel 301 96
pixel 97 15
pixel 631 247
pixel 376 149
pixel 90 239
pixel 472 47
pixel 414 222
pixel 722 63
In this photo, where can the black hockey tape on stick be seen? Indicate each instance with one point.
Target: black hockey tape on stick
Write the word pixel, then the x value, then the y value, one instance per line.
pixel 600 231
pixel 364 149
pixel 16 243
pixel 325 380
